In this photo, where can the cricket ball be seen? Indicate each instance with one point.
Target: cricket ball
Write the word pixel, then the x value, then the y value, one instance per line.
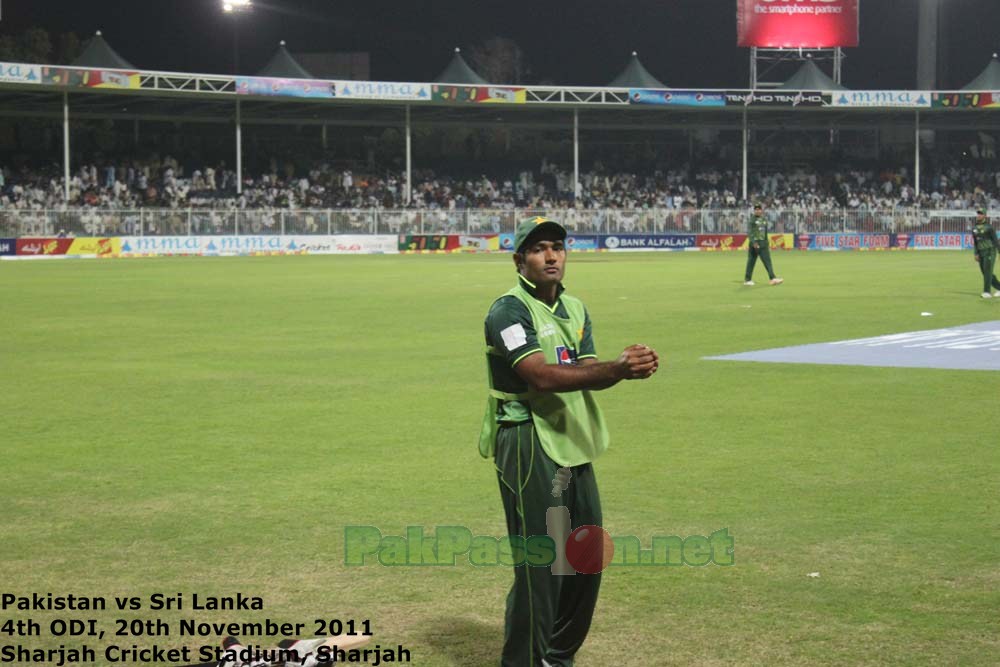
pixel 589 549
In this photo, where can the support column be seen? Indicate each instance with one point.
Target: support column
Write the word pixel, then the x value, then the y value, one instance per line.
pixel 746 143
pixel 66 147
pixel 916 155
pixel 239 150
pixel 576 156
pixel 407 194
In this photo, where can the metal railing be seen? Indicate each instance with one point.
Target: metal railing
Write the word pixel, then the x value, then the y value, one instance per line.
pixel 200 222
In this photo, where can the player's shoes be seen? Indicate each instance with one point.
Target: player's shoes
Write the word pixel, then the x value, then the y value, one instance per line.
pixel 996 293
pixel 748 283
pixel 777 281
pixel 987 295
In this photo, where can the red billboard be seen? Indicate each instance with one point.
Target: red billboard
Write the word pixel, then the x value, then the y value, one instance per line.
pixel 810 24
pixel 43 246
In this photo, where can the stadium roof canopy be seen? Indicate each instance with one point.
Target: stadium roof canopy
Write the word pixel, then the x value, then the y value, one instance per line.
pixel 255 111
pixel 51 91
pixel 283 66
pixel 988 79
pixel 458 71
pixel 100 54
pixel 810 77
pixel 635 76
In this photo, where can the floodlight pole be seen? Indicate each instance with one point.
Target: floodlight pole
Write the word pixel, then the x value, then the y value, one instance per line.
pixel 239 150
pixel 408 193
pixel 235 11
pixel 746 143
pixel 236 44
pixel 66 147
pixel 576 157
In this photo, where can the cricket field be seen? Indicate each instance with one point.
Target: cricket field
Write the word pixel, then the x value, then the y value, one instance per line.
pixel 182 427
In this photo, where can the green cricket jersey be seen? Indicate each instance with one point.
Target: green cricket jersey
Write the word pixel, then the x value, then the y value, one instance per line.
pixel 984 238
pixel 569 425
pixel 757 230
pixel 509 322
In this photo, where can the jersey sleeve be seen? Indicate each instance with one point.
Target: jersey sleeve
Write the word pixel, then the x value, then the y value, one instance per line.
pixel 509 329
pixel 587 348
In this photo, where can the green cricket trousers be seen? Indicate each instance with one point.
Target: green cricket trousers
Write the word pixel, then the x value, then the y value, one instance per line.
pixel 547 616
pixel 765 256
pixel 987 260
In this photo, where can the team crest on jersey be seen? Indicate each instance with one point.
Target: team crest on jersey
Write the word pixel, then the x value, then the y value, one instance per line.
pixel 565 355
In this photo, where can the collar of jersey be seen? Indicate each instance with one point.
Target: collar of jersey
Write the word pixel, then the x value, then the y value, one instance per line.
pixel 532 289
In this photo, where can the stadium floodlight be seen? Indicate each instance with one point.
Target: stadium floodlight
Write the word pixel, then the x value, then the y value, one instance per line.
pixel 230 6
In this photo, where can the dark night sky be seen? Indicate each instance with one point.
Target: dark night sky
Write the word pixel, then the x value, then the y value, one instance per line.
pixel 685 43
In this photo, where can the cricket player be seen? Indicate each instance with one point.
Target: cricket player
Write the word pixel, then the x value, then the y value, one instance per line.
pixel 541 416
pixel 985 245
pixel 758 246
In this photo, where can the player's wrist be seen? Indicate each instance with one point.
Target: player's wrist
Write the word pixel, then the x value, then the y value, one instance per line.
pixel 620 368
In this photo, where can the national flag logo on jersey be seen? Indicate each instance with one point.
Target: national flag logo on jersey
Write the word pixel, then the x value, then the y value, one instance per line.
pixel 566 356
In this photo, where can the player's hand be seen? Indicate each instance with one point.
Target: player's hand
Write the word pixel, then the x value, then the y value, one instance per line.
pixel 976 258
pixel 756 246
pixel 638 362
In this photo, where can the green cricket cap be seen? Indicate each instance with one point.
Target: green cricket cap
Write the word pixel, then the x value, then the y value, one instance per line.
pixel 532 226
pixel 981 211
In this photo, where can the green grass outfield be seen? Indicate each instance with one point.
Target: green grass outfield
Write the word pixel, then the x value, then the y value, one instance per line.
pixel 210 425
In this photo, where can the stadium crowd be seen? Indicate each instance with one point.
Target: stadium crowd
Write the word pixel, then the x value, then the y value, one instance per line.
pixel 166 183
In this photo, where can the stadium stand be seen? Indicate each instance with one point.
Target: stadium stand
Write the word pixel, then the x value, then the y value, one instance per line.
pixel 165 183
